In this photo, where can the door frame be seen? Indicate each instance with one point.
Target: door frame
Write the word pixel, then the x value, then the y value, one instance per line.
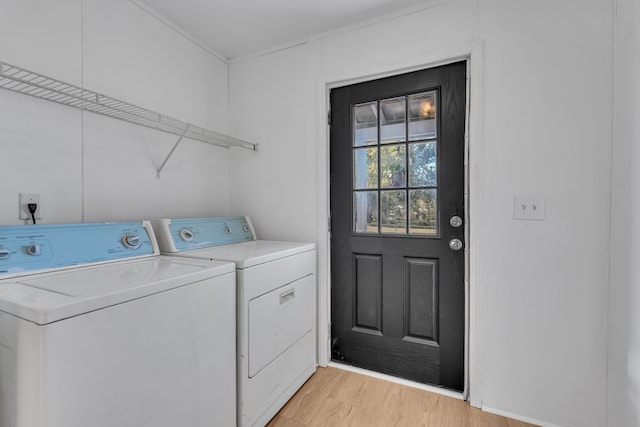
pixel 472 52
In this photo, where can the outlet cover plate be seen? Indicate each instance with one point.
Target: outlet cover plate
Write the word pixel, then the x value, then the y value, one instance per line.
pixel 528 207
pixel 23 200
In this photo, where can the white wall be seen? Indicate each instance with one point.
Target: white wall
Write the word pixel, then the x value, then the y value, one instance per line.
pixel 547 131
pixel 624 353
pixel 91 168
pixel 547 122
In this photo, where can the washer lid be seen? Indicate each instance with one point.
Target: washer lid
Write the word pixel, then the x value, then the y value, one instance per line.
pixel 248 254
pixel 49 297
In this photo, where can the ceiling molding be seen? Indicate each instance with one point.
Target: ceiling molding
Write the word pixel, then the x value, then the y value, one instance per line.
pixel 429 4
pixel 180 30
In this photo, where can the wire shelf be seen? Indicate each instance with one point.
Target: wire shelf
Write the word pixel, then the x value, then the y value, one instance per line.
pixel 30 83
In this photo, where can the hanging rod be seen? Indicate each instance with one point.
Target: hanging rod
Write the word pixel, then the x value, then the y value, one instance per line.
pixel 29 83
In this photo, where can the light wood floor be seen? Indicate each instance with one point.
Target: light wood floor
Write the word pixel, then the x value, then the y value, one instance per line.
pixel 335 397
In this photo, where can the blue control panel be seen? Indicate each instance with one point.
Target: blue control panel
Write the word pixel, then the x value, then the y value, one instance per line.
pixel 25 248
pixel 196 233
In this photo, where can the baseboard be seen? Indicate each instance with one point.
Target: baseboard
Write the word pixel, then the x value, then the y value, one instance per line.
pixel 518 417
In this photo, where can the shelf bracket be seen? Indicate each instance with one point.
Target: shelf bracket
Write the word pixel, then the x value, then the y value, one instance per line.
pixel 171 152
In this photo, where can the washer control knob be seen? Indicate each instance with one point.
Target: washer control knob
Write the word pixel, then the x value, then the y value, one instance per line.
pixel 4 253
pixel 245 228
pixel 34 250
pixel 227 229
pixel 131 241
pixel 186 235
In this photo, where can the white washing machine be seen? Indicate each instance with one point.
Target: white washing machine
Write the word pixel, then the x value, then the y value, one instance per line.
pixel 276 288
pixel 97 329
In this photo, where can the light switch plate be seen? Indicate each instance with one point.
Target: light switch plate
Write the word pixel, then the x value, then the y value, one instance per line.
pixel 528 207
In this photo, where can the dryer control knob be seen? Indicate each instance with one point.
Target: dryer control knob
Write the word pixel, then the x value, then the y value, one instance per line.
pixel 4 253
pixel 34 250
pixel 186 235
pixel 227 229
pixel 131 241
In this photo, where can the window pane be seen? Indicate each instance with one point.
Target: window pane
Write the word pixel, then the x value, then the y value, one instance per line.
pixel 393 169
pixel 422 116
pixel 365 211
pixel 365 168
pixel 423 208
pixel 393 210
pixel 423 164
pixel 392 120
pixel 365 124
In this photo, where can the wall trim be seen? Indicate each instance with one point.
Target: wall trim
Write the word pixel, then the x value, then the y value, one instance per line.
pixel 473 52
pixel 180 30
pixel 389 16
pixel 518 417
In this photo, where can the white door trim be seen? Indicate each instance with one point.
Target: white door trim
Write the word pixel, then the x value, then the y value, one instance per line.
pixel 473 52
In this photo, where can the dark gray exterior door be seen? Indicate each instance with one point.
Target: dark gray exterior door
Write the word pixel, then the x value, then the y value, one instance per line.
pixel 397 232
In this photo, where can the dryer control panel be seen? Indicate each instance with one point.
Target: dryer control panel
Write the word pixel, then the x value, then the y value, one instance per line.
pixel 176 235
pixel 27 248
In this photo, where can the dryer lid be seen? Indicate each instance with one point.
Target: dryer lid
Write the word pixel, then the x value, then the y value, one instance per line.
pixel 252 253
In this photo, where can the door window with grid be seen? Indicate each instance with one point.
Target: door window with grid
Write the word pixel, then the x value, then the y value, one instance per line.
pixel 395 165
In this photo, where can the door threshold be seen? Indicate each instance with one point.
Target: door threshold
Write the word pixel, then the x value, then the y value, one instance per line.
pixel 402 381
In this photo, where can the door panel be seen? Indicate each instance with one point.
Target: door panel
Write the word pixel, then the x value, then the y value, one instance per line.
pixel 397 176
pixel 421 300
pixel 368 292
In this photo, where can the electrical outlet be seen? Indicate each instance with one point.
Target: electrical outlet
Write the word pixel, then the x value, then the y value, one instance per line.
pixel 528 208
pixel 23 210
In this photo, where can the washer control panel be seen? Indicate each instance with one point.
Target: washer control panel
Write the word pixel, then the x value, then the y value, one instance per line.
pixel 26 248
pixel 175 235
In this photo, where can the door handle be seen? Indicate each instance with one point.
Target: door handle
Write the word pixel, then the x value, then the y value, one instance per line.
pixel 455 244
pixel 287 296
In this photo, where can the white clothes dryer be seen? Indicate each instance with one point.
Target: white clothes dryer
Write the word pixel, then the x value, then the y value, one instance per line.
pixel 276 294
pixel 97 329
